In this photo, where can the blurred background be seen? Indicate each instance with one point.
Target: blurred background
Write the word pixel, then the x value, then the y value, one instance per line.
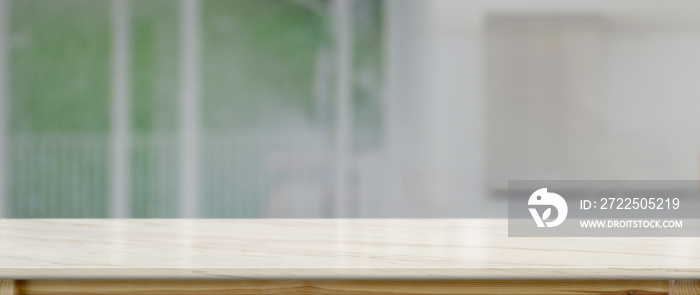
pixel 336 108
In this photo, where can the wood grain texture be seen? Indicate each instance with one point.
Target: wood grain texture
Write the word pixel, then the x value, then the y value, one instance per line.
pixel 8 287
pixel 684 287
pixel 336 287
pixel 330 249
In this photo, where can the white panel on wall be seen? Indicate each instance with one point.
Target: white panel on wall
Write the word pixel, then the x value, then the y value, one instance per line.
pixel 579 97
pixel 543 92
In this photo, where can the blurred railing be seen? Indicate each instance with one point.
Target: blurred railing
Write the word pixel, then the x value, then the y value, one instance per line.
pixel 248 174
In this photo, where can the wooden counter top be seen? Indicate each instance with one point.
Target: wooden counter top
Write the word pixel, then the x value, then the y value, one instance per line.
pixel 325 249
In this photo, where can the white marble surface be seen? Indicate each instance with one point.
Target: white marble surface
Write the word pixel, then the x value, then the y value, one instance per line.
pixel 325 249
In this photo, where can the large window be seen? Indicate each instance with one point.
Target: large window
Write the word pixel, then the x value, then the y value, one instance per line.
pixel 263 76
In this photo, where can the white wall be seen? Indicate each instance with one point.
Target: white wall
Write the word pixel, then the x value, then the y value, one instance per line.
pixel 649 112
